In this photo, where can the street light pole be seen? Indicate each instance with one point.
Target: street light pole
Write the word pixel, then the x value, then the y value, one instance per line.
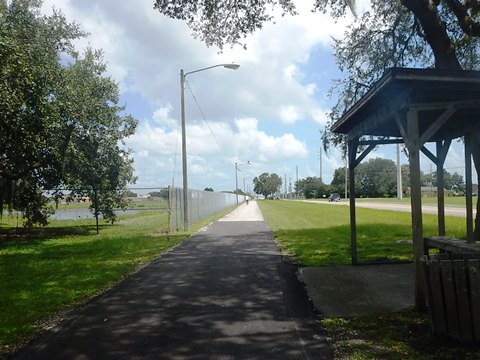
pixel 236 176
pixel 184 153
pixel 183 75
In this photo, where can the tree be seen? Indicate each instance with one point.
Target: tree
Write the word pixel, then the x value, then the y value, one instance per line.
pixel 377 178
pixel 338 181
pixel 422 33
pixel 208 189
pixel 61 125
pixel 312 187
pixel 29 76
pixel 267 184
pixel 96 163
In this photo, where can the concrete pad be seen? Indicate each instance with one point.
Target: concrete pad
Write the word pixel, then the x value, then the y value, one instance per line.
pixel 360 290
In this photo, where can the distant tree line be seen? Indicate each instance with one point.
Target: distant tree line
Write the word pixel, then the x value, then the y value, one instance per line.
pixel 374 178
pixel 61 124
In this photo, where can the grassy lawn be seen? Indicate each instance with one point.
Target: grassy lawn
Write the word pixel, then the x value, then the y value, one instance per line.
pixel 453 201
pixel 319 234
pixel 53 269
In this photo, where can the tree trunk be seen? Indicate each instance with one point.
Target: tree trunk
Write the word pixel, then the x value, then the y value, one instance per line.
pixel 435 33
pixel 476 163
pixel 445 58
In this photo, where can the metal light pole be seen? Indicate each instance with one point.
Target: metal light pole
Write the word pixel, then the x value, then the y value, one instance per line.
pixel 236 176
pixel 184 137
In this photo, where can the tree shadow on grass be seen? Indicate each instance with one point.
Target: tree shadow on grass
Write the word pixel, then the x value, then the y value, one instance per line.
pixel 19 236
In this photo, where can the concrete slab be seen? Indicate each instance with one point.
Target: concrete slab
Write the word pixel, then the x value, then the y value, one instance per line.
pixel 359 290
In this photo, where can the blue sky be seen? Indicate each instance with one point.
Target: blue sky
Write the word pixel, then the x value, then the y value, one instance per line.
pixel 268 112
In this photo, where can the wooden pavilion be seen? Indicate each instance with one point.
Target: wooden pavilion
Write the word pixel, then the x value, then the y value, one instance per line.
pixel 415 107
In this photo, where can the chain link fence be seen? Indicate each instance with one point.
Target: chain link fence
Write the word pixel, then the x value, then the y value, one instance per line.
pixel 166 203
pixel 201 204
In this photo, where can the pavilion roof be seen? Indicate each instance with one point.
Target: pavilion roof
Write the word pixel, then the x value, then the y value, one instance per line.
pixel 431 92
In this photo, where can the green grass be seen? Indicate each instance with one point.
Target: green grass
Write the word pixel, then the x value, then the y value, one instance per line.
pixel 319 234
pixel 454 201
pixel 58 267
pixel 397 336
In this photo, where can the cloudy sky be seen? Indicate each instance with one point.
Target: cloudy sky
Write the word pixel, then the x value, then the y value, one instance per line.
pixel 269 112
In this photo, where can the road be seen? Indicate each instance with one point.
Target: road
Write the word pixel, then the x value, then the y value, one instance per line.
pixel 427 209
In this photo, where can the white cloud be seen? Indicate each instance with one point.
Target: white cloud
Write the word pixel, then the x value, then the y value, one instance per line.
pixel 261 112
pixel 225 143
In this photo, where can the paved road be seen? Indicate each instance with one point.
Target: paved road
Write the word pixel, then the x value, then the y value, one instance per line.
pixel 223 294
pixel 427 209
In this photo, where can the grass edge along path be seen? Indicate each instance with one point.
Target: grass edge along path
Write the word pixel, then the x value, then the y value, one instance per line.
pixel 319 234
pixel 50 271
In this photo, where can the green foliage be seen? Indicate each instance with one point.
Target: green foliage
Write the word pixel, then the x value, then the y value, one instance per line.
pixel 61 125
pixel 223 22
pixel 208 189
pixel 267 184
pixel 312 187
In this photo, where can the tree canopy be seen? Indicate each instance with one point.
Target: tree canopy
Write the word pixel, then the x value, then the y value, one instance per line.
pixel 61 123
pixel 267 184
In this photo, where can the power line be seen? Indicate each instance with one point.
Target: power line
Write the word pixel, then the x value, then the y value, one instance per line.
pixel 205 119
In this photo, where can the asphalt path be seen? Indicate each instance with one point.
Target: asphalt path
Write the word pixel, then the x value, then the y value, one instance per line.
pixel 225 293
pixel 427 209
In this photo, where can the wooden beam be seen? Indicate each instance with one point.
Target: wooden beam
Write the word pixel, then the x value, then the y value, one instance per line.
pixel 381 141
pixel 362 156
pixel 429 154
pixel 437 124
pixel 459 104
pixel 401 127
pixel 444 151
pixel 468 186
pixel 380 116
pixel 440 190
pixel 352 151
pixel 416 200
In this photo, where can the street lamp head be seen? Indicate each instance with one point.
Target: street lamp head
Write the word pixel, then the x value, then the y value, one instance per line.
pixel 231 66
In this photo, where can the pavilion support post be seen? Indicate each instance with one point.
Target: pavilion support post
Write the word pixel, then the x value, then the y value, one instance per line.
pixel 440 189
pixel 468 186
pixel 352 152
pixel 414 146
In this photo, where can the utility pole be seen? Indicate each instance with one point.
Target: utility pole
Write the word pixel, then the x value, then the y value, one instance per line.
pixel 296 187
pixel 320 155
pixel 399 175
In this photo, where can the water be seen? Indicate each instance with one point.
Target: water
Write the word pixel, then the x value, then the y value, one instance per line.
pixel 77 214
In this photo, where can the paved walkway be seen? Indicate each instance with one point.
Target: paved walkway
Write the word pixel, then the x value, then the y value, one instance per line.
pixel 223 294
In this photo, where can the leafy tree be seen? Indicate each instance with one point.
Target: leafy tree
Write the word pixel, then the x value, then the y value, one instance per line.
pixel 96 162
pixel 30 72
pixel 338 181
pixel 267 184
pixel 130 193
pixel 377 178
pixel 451 181
pixel 164 193
pixel 312 187
pixel 61 125
pixel 208 189
pixel 422 33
